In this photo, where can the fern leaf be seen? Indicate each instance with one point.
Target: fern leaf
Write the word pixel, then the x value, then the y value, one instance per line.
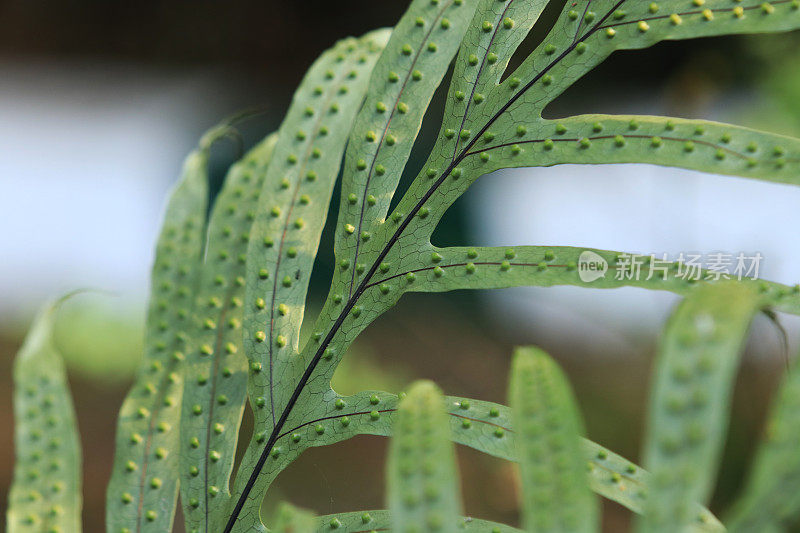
pixel 693 144
pixel 771 500
pixel 588 31
pixel 144 487
pixel 46 492
pixel 290 519
pixel 693 379
pixel 402 85
pixel 285 235
pixel 482 111
pixel 422 480
pixel 215 368
pixel 445 269
pixel 555 489
pixel 401 246
pixel 380 520
pixel 500 124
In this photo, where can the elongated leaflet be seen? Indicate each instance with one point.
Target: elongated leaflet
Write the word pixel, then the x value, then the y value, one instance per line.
pixel 771 499
pixel 404 238
pixel 422 481
pixel 143 489
pixel 215 371
pixel 488 124
pixel 688 417
pixel 285 236
pixel 555 488
pixel 402 85
pixel 46 492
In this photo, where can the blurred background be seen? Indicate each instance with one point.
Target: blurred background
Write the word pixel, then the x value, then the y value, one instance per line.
pixel 101 100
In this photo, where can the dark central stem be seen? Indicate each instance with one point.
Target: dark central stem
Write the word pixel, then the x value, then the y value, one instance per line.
pixel 363 285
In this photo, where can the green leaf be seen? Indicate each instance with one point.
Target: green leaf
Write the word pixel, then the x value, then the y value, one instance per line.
pixel 694 144
pixel 144 487
pixel 588 31
pixel 688 414
pixel 422 479
pixel 290 519
pixel 46 492
pixel 500 125
pixel 379 258
pixel 394 256
pixel 445 269
pixel 284 239
pixel 380 520
pixel 402 85
pixel 555 490
pixel 608 139
pixel 215 368
pixel 771 499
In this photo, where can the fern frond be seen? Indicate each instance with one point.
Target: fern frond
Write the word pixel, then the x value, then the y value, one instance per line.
pixel 285 236
pixel 396 255
pixel 771 499
pixel 555 489
pixel 46 492
pixel 144 487
pixel 422 479
pixel 688 415
pixel 488 124
pixel 215 367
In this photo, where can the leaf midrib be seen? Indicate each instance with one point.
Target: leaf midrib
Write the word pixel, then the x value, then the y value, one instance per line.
pixel 212 393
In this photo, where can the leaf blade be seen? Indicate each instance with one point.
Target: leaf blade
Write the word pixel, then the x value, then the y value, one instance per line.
pixel 556 495
pixel 45 429
pixel 215 369
pixel 422 479
pixel 433 269
pixel 150 415
pixel 285 236
pixel 401 88
pixel 697 361
pixel 770 500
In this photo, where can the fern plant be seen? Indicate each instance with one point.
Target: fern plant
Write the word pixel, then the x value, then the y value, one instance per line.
pixel 229 284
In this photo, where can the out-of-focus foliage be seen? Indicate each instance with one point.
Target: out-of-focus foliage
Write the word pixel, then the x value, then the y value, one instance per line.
pixel 46 493
pixel 98 341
